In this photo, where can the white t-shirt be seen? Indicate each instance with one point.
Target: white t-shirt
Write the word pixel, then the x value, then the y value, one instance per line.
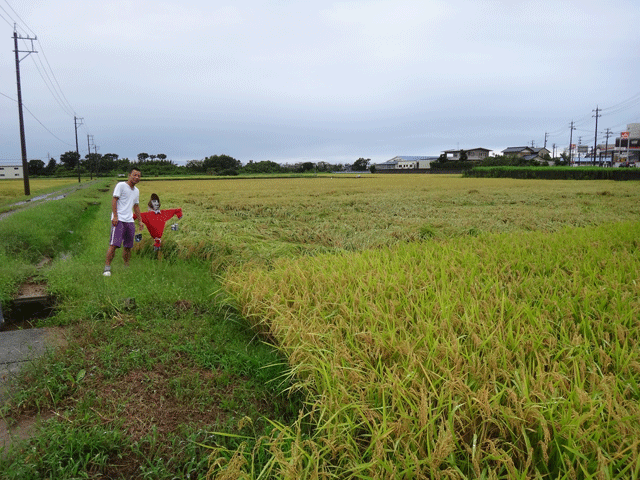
pixel 127 198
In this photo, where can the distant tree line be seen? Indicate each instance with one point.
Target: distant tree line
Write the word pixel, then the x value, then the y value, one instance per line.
pixel 225 165
pixel 111 164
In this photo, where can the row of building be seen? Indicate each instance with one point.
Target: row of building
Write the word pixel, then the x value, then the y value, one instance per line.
pixel 625 151
pixel 403 162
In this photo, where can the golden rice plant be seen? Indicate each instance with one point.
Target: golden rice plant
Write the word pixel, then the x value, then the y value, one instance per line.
pixel 494 356
pixel 236 221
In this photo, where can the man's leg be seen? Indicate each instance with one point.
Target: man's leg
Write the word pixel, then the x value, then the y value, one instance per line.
pixel 111 251
pixel 126 255
pixel 127 241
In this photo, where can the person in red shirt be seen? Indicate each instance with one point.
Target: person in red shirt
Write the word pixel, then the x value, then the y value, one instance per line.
pixel 155 219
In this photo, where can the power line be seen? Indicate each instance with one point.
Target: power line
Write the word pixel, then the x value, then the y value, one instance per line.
pixel 54 77
pixel 16 14
pixel 7 21
pixel 53 92
pixel 43 126
pixel 37 120
pixel 629 102
pixel 45 71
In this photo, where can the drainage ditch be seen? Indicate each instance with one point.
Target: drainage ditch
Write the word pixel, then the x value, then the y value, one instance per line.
pixel 31 304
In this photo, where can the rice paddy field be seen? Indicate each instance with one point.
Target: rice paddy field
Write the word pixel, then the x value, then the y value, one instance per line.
pixel 439 327
pixel 13 190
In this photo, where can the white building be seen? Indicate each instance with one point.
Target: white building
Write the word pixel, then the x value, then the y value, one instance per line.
pixel 10 171
pixel 407 162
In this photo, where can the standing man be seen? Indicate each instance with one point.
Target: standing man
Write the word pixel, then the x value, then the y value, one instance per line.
pixel 125 202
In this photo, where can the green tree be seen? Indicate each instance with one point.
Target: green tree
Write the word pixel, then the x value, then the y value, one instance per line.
pixel 123 165
pixel 361 165
pixel 463 156
pixel 195 166
pixel 107 162
pixel 307 167
pixel 265 166
pixel 222 165
pixel 51 167
pixel 142 157
pixel 70 159
pixel 35 167
pixel 563 160
pixel 92 161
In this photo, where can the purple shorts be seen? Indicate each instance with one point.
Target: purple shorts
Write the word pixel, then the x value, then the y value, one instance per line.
pixel 122 234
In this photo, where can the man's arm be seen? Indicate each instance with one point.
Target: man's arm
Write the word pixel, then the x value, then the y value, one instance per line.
pixel 136 211
pixel 114 210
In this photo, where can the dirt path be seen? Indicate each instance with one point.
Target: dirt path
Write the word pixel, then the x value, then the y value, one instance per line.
pixel 40 199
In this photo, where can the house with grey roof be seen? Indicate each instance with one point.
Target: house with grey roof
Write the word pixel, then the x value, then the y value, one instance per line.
pixel 528 153
pixel 473 154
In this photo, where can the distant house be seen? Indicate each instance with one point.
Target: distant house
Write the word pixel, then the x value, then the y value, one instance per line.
pixel 406 162
pixel 528 153
pixel 473 155
pixel 11 171
pixel 388 165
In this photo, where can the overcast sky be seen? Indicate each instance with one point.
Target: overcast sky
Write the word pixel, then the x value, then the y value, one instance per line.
pixel 292 81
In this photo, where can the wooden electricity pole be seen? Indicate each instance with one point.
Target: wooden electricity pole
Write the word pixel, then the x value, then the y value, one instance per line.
pixel 595 140
pixel 23 143
pixel 571 143
pixel 75 122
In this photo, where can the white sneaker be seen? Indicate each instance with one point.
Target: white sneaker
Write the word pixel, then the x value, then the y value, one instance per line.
pixel 107 273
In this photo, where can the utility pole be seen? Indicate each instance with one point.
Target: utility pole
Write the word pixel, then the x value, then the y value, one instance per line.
pixel 572 128
pixel 75 122
pixel 89 153
pixel 96 159
pixel 579 145
pixel 23 144
pixel 546 135
pixel 608 133
pixel 595 140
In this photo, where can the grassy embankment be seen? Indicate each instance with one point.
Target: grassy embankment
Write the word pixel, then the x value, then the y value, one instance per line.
pixel 438 326
pixel 142 382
